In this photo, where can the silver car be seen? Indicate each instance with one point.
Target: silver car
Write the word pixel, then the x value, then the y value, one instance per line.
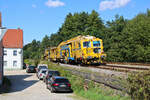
pixel 42 73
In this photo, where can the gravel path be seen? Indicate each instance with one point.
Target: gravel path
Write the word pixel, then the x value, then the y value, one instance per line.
pixel 28 87
pixel 98 70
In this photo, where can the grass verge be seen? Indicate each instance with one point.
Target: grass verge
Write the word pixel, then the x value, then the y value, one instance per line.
pixel 88 89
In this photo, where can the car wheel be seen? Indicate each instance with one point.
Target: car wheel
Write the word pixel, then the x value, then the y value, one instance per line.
pixel 47 86
pixel 51 89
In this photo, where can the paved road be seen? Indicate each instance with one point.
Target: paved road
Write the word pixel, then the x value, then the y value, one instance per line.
pixel 28 87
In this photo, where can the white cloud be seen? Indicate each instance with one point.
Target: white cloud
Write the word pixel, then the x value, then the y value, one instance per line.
pixel 34 6
pixel 112 4
pixel 54 3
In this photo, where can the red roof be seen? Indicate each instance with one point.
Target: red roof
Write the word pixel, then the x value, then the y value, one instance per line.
pixel 13 38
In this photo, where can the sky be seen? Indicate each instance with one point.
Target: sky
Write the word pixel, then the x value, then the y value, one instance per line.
pixel 38 18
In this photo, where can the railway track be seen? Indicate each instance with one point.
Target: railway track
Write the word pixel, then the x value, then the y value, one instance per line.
pixel 122 68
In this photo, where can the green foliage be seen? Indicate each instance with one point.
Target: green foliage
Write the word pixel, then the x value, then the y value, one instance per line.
pixel 28 61
pixel 36 62
pixel 44 44
pixel 31 50
pixel 137 38
pixel 124 40
pixel 113 39
pixel 139 85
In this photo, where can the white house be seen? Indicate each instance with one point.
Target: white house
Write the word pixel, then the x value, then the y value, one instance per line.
pixel 13 49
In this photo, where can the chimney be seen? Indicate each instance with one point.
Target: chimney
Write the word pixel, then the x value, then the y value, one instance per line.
pixel 0 20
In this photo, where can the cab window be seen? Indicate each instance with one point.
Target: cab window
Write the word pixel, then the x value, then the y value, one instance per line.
pixel 86 44
pixel 96 43
pixel 79 45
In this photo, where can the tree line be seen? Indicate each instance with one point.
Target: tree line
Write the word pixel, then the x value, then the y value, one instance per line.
pixel 124 40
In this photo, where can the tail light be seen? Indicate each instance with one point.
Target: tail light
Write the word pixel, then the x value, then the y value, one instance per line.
pixel 40 74
pixel 49 82
pixel 69 84
pixel 55 84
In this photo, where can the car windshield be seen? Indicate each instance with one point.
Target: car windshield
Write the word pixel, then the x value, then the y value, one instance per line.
pixel 96 43
pixel 31 66
pixel 54 73
pixel 61 81
pixel 44 71
pixel 42 67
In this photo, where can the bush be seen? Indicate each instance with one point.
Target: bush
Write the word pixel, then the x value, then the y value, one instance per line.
pixel 28 61
pixel 139 85
pixel 36 62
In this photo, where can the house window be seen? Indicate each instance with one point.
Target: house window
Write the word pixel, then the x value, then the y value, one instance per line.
pixel 5 52
pixel 15 52
pixel 14 63
pixel 79 45
pixel 5 63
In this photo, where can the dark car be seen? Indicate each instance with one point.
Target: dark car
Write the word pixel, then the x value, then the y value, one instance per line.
pixel 59 84
pixel 49 74
pixel 24 66
pixel 31 69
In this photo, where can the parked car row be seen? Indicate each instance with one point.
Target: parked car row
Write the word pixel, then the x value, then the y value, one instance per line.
pixel 52 78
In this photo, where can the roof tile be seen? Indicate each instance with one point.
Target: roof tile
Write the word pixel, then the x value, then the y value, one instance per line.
pixel 13 38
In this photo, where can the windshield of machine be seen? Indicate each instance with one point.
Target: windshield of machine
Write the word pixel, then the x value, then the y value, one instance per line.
pixel 96 43
pixel 86 44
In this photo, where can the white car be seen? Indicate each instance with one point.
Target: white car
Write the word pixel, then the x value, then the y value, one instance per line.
pixel 42 73
pixel 39 67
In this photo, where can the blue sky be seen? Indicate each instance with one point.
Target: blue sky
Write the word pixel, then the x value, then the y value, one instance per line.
pixel 38 18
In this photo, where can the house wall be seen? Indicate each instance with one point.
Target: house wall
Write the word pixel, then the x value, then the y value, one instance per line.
pixel 2 32
pixel 1 62
pixel 12 61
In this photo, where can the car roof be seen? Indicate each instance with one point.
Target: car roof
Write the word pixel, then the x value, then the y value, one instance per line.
pixel 43 69
pixel 31 66
pixel 52 70
pixel 59 77
pixel 42 65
